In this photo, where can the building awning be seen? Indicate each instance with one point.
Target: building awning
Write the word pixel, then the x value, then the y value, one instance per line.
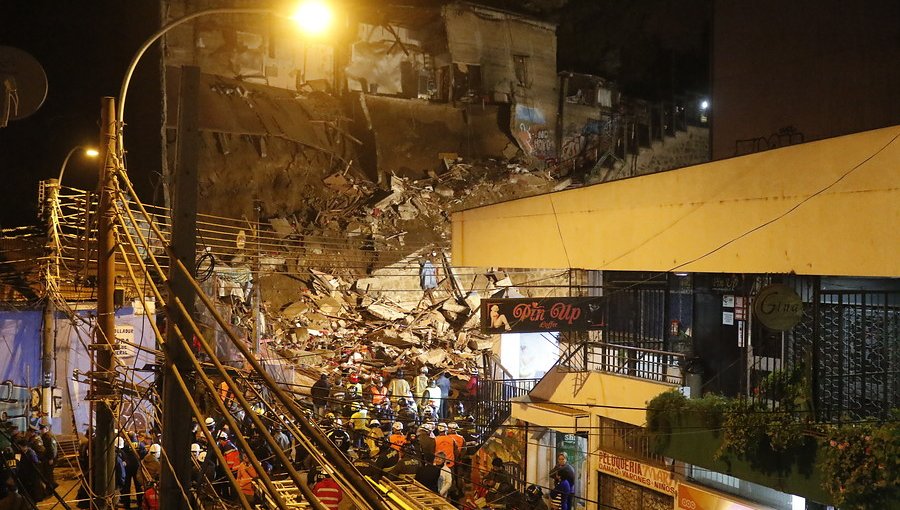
pixel 829 207
pixel 546 414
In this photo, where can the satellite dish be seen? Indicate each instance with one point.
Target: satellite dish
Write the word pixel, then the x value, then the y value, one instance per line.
pixel 23 84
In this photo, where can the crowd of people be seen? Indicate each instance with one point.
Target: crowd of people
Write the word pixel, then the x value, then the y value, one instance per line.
pixel 392 429
pixel 27 471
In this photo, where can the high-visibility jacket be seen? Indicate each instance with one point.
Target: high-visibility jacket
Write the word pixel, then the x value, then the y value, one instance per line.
pixel 231 454
pixel 244 474
pixel 460 442
pixel 398 441
pixel 447 445
pixel 378 394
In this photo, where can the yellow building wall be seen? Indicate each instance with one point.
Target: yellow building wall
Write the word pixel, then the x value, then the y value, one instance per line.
pixel 830 207
pixel 585 390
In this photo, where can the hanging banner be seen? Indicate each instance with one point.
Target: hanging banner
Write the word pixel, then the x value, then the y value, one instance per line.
pixel 125 349
pixel 651 477
pixel 530 315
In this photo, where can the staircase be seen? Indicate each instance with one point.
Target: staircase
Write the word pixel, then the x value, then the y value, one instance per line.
pixel 495 389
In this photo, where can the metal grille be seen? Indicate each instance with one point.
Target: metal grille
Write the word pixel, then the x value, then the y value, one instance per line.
pixel 629 441
pixel 857 357
pixel 637 317
pixel 649 364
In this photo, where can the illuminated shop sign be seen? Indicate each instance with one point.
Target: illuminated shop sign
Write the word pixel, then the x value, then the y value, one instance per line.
pixel 535 315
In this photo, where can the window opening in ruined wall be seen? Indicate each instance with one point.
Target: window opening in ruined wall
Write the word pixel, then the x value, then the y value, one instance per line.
pixel 520 63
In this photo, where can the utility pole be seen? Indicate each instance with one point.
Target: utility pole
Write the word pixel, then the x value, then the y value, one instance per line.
pixel 256 295
pixel 175 406
pixel 103 399
pixel 48 330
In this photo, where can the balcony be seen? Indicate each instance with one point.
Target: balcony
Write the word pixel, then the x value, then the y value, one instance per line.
pixel 595 378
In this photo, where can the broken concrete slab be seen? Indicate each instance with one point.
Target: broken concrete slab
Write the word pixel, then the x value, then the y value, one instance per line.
pixel 407 211
pixel 385 312
pixel 473 300
pixel 282 227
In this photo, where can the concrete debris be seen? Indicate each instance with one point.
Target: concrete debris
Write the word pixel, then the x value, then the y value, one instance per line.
pixel 563 185
pixel 385 312
pixel 407 211
pixel 363 306
pixel 282 227
pixel 473 300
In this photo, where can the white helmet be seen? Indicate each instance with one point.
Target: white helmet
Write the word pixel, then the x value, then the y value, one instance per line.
pixel 424 370
pixel 397 426
pixel 156 450
pixel 201 456
pixel 210 422
pixel 442 427
pixel 453 425
pixel 195 449
pixel 374 423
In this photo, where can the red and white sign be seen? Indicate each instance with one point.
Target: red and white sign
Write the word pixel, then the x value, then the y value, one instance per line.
pixel 648 476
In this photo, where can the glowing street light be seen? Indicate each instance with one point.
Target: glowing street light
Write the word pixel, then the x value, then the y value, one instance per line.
pixel 313 17
pixel 89 152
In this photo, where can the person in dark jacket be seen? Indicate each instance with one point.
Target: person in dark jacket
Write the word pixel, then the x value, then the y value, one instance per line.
pixel 429 474
pixel 426 444
pixel 29 470
pixel 566 471
pixel 132 464
pixel 319 392
pixel 51 451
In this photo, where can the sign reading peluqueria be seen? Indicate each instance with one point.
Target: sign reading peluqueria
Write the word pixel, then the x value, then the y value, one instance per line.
pixel 660 480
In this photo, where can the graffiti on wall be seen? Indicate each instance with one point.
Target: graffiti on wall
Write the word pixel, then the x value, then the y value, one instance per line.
pixel 586 143
pixel 533 133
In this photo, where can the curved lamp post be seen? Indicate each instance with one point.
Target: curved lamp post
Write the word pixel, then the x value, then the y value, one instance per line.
pixel 312 17
pixel 88 151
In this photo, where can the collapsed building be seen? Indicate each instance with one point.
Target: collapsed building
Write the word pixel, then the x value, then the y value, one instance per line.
pixel 328 170
pixel 351 153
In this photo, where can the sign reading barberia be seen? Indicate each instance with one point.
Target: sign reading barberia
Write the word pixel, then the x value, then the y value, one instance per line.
pixel 535 315
pixel 657 479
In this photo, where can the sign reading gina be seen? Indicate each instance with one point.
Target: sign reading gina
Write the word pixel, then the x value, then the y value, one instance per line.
pixel 654 478
pixel 535 315
pixel 778 307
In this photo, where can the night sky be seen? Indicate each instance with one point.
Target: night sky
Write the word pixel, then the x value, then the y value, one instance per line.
pixel 84 48
pixel 651 48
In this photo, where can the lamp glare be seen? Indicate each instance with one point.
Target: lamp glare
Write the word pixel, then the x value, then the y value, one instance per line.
pixel 313 17
pixel 91 153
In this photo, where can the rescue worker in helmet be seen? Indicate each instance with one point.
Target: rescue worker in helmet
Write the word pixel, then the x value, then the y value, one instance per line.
pixel 340 437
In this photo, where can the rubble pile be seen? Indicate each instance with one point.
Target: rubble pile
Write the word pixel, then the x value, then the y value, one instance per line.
pixel 365 279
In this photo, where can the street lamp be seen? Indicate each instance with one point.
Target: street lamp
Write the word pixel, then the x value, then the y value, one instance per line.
pixel 313 18
pixel 88 151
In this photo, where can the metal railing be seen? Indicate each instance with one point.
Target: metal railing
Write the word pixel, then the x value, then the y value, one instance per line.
pixel 493 405
pixel 650 364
